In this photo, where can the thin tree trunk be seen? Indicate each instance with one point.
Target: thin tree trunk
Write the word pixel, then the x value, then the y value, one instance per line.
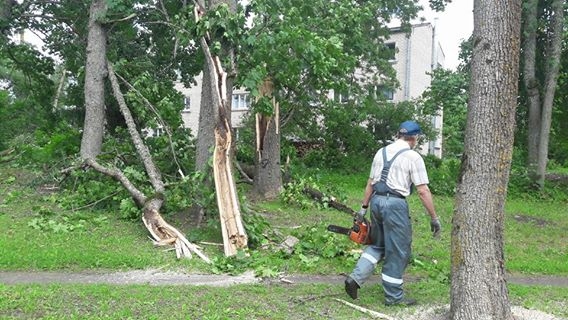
pixel 268 177
pixel 531 84
pixel 95 73
pixel 479 289
pixel 552 67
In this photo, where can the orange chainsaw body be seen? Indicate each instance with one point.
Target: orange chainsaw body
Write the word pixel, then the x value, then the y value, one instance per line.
pixel 360 233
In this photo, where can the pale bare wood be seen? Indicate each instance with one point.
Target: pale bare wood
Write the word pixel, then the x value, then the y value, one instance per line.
pixel 233 232
pixel 372 313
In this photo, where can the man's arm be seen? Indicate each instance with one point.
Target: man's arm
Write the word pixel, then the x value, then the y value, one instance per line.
pixel 368 193
pixel 426 198
pixel 427 201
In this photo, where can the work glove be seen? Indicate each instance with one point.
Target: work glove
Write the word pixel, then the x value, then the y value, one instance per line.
pixel 360 216
pixel 435 227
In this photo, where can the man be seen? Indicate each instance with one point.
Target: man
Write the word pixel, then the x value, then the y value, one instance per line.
pixel 395 169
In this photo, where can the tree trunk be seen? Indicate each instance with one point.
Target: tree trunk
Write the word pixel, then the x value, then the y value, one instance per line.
pixel 554 51
pixel 208 109
pixel 478 289
pixel 234 235
pixel 267 177
pixel 207 115
pixel 531 84
pixel 95 72
pixel 541 95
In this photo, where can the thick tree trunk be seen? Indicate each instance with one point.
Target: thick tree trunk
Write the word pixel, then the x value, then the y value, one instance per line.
pixel 95 72
pixel 267 177
pixel 208 109
pixel 479 289
pixel 234 235
pixel 207 115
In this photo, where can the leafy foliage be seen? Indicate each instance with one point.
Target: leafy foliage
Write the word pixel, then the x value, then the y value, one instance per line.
pixel 448 94
pixel 443 174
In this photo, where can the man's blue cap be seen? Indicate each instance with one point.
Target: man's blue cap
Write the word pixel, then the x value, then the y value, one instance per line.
pixel 409 128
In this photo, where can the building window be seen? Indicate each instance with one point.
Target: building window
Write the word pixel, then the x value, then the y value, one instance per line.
pixel 391 51
pixel 241 101
pixel 386 92
pixel 186 104
pixel 341 97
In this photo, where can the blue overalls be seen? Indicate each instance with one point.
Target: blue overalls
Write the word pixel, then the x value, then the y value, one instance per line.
pixel 392 237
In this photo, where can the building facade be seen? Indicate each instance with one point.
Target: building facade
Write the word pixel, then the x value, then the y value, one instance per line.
pixel 416 55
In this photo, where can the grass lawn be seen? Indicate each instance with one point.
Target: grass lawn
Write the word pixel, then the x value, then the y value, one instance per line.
pixel 37 235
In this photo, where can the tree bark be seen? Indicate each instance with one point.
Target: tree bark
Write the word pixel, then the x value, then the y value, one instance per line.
pixel 479 289
pixel 541 95
pixel 95 73
pixel 208 110
pixel 531 84
pixel 205 133
pixel 234 234
pixel 162 233
pixel 553 54
pixel 267 177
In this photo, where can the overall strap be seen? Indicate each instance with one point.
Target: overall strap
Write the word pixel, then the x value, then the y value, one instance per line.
pixel 387 164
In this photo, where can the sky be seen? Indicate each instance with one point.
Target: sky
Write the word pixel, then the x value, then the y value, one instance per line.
pixel 453 25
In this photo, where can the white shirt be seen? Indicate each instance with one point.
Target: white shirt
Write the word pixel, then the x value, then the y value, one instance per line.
pixel 407 169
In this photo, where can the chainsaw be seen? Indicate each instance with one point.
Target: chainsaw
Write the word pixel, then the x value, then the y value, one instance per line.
pixel 360 232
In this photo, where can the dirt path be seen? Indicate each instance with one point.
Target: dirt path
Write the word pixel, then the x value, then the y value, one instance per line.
pixel 158 277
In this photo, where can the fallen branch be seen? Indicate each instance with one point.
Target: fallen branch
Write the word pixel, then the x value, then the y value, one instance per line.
pixel 246 178
pixel 372 313
pixel 317 195
pixel 163 234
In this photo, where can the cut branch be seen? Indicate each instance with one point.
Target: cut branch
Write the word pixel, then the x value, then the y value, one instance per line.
pixel 320 197
pixel 372 313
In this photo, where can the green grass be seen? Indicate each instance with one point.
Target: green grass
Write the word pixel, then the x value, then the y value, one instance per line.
pixel 299 301
pixel 535 244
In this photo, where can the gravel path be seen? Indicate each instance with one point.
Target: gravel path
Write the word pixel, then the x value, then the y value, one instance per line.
pixel 158 277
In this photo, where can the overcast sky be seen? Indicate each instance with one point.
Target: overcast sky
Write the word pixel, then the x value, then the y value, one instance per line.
pixel 454 25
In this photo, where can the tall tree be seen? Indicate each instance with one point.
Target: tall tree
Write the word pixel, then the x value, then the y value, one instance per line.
pixel 543 29
pixel 95 74
pixel 307 49
pixel 232 227
pixel 208 111
pixel 479 289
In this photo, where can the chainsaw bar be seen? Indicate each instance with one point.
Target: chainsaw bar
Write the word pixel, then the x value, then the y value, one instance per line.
pixel 339 229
